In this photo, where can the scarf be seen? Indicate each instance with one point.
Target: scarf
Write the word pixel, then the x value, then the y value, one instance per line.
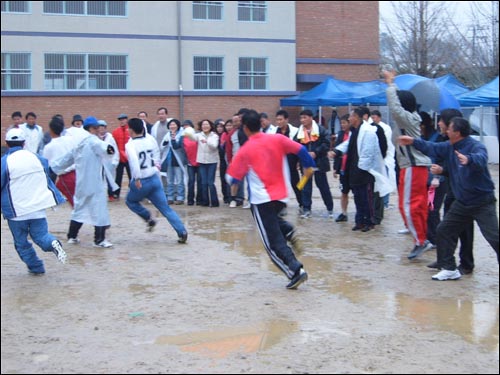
pixel 304 137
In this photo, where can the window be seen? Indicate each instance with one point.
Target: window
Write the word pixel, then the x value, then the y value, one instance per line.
pixel 207 10
pixel 208 73
pixel 253 73
pixel 94 8
pixel 85 72
pixel 15 6
pixel 16 71
pixel 253 11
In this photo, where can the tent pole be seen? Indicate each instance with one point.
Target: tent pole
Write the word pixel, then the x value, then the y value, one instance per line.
pixel 319 115
pixel 481 136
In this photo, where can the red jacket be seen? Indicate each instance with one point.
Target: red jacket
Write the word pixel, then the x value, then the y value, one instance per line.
pixel 121 137
pixel 191 148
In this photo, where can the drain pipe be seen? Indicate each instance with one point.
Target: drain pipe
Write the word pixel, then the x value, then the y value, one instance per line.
pixel 179 61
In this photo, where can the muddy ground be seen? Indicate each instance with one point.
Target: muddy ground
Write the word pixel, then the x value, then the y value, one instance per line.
pixel 218 305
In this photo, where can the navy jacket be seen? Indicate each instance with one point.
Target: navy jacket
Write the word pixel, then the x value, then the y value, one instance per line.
pixel 471 184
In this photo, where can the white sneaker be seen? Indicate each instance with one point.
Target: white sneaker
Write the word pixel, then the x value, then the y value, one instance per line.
pixel 232 204
pixel 59 251
pixel 330 214
pixel 447 275
pixel 73 241
pixel 246 205
pixel 104 244
pixel 403 231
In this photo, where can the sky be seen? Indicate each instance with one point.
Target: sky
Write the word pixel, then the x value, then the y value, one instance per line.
pixel 460 10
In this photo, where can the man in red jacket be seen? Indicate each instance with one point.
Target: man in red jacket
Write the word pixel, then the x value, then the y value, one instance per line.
pixel 121 137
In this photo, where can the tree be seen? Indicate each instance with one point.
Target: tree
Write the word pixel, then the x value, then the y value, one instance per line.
pixel 429 40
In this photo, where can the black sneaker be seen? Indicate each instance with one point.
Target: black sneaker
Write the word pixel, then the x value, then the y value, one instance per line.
pixel 340 218
pixel 419 250
pixel 151 225
pixel 434 265
pixel 183 238
pixel 298 279
pixel 463 270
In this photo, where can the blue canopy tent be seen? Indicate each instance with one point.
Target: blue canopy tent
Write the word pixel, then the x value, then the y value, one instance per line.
pixel 452 84
pixel 335 92
pixel 486 95
pixel 430 95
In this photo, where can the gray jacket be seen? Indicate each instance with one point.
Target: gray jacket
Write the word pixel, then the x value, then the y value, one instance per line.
pixel 405 123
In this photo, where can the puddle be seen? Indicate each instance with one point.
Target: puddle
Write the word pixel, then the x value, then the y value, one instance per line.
pixel 221 343
pixel 476 323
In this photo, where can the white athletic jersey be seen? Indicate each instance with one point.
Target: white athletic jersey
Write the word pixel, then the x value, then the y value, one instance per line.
pixel 143 156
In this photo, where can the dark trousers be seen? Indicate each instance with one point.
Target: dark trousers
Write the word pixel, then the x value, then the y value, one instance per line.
pixel 74 228
pixel 466 236
pixel 363 200
pixel 321 181
pixel 119 176
pixel 194 177
pixel 456 218
pixel 273 231
pixel 226 189
pixel 294 177
pixel 434 217
pixel 378 208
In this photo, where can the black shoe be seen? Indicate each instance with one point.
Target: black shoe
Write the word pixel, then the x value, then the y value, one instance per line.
pixel 419 250
pixel 340 218
pixel 434 265
pixel 357 227
pixel 298 279
pixel 464 271
pixel 151 225
pixel 366 228
pixel 183 238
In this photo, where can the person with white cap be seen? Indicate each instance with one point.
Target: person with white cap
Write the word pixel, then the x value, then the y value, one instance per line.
pixel 91 204
pixel 27 191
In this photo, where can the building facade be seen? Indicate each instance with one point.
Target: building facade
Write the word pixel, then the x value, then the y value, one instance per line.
pixel 199 59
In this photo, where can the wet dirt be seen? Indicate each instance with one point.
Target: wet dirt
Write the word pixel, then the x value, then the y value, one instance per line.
pixel 218 304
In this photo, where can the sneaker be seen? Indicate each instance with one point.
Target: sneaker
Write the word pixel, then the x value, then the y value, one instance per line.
pixel 246 205
pixel 463 270
pixel 357 227
pixel 434 265
pixel 103 244
pixel 403 231
pixel 330 214
pixel 367 228
pixel 183 238
pixel 232 204
pixel 447 275
pixel 59 251
pixel 298 279
pixel 151 225
pixel 419 250
pixel 73 241
pixel 306 214
pixel 340 218
pixel 300 211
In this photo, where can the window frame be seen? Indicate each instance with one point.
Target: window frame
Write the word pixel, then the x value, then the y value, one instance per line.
pixel 207 4
pixel 85 12
pixel 8 3
pixel 252 6
pixel 208 73
pixel 7 72
pixel 252 74
pixel 88 74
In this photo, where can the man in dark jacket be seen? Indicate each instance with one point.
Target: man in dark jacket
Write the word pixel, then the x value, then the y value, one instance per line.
pixel 473 188
pixel 316 139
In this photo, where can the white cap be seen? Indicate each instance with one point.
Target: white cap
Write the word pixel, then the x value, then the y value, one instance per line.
pixel 15 134
pixel 102 122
